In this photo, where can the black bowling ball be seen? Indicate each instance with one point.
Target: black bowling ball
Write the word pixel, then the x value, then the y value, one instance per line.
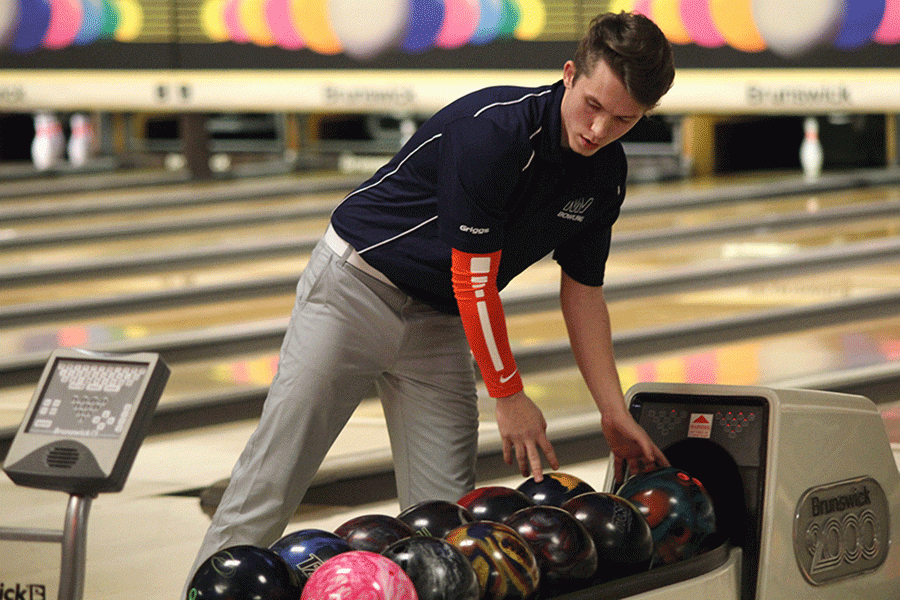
pixel 244 573
pixel 438 570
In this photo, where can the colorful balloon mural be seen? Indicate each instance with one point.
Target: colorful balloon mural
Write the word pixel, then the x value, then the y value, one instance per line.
pixel 785 28
pixel 366 28
pixel 30 25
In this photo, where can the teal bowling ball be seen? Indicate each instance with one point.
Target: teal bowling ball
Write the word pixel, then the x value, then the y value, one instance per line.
pixel 678 510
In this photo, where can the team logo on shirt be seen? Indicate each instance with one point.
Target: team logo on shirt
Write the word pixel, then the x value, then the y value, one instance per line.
pixel 574 210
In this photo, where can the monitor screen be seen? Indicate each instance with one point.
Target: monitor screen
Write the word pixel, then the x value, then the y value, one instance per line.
pixel 88 398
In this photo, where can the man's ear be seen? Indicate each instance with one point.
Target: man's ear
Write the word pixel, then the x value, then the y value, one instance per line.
pixel 569 73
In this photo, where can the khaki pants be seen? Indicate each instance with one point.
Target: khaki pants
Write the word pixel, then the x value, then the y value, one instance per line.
pixel 347 330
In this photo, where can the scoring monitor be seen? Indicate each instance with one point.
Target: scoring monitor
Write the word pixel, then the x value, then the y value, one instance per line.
pixel 87 419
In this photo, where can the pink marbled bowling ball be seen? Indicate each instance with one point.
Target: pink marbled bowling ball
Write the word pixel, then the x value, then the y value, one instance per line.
pixel 359 575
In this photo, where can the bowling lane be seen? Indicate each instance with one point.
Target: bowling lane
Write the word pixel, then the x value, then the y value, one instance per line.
pixel 253 371
pixel 287 229
pixel 97 198
pixel 145 324
pixel 172 278
pixel 527 330
pixel 766 361
pixel 630 315
pixel 760 244
pixel 151 215
pixel 706 214
pixel 757 245
pixel 531 329
pixel 232 237
pixel 49 227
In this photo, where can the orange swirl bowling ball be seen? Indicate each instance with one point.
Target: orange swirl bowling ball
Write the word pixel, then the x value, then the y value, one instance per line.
pixel 506 567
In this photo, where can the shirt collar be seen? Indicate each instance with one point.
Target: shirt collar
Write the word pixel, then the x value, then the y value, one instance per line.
pixel 551 137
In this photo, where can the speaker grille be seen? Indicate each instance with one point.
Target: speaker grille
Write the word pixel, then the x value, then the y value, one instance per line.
pixel 62 458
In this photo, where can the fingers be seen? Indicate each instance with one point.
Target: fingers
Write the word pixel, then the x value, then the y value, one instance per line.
pixel 661 459
pixel 549 452
pixel 653 456
pixel 528 457
pixel 639 465
pixel 524 434
pixel 637 458
pixel 534 465
pixel 522 459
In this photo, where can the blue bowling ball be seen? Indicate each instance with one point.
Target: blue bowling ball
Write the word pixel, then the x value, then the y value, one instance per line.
pixel 305 550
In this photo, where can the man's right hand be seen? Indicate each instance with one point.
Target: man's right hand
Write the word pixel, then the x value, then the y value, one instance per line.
pixel 523 431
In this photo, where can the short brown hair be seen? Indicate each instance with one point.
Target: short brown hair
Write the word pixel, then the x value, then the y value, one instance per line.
pixel 634 48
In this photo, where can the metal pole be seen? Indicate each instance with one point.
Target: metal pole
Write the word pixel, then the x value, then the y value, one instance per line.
pixel 27 534
pixel 74 548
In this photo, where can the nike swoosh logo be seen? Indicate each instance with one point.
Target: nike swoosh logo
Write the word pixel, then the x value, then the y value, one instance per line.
pixel 507 378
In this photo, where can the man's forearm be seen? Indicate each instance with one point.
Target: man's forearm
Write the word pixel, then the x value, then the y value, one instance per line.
pixel 590 334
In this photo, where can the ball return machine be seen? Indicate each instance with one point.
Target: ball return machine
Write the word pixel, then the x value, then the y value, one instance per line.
pixel 805 487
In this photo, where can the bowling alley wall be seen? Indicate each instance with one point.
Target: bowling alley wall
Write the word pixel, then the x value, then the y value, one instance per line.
pixel 733 56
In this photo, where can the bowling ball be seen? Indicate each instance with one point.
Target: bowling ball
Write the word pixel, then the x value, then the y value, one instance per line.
pixel 716 468
pixel 359 575
pixel 435 517
pixel 677 508
pixel 504 563
pixel 562 545
pixel 620 533
pixel 244 573
pixel 305 550
pixel 494 502
pixel 436 567
pixel 373 532
pixel 554 489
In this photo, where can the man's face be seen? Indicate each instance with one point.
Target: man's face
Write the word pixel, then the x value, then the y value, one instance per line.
pixel 596 109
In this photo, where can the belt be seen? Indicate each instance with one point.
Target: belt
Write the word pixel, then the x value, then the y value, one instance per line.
pixel 340 247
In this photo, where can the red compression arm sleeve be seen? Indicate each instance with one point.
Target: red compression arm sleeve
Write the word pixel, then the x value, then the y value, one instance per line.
pixel 475 288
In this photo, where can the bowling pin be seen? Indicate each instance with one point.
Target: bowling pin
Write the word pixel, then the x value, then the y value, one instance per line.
pixel 45 151
pixel 81 140
pixel 811 154
pixel 57 139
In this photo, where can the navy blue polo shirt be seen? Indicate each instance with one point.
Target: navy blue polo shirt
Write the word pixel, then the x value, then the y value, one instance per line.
pixel 486 173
